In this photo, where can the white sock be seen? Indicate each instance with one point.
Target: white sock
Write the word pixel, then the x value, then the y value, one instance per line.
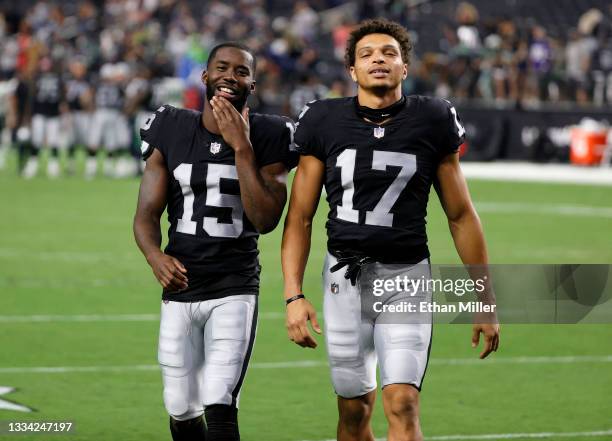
pixel 53 168
pixel 31 168
pixel 91 167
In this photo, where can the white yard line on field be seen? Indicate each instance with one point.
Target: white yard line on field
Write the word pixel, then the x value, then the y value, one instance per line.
pixel 541 173
pixel 146 367
pixel 42 318
pixel 552 209
pixel 520 435
pixel 87 257
pixel 38 318
pixel 316 363
pixel 495 436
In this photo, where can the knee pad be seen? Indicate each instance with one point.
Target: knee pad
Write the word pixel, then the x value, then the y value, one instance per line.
pixel 176 403
pixel 353 369
pixel 403 353
pixel 349 383
pixel 222 423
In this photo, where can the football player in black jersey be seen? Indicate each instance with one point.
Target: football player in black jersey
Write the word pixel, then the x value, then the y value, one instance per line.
pixel 378 155
pixel 47 105
pixel 222 175
pixel 79 101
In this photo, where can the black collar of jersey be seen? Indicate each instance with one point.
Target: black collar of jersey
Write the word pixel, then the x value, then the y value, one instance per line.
pixel 379 115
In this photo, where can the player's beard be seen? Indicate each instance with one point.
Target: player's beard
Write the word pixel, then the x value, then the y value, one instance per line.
pixel 239 102
pixel 379 89
pixel 383 89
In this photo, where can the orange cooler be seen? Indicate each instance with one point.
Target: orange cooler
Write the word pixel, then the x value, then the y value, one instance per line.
pixel 587 146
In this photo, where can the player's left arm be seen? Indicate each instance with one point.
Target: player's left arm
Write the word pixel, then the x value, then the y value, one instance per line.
pixel 466 230
pixel 263 191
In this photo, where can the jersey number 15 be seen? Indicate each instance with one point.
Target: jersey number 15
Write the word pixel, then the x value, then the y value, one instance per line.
pixel 214 198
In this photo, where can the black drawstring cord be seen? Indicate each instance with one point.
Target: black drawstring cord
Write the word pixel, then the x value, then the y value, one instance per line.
pixel 353 264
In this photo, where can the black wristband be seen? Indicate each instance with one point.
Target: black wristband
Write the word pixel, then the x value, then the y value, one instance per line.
pixel 294 298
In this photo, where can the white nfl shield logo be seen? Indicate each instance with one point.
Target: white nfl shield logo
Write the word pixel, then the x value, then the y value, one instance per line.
pixel 215 148
pixel 379 132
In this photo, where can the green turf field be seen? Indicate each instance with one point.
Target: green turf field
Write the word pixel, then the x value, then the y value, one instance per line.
pixel 66 250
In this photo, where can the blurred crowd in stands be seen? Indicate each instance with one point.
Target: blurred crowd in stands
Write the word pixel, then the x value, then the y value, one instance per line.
pixel 85 73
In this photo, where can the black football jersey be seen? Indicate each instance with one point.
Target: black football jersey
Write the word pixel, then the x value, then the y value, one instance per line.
pixel 209 231
pixel 378 177
pixel 109 96
pixel 143 87
pixel 47 95
pixel 75 89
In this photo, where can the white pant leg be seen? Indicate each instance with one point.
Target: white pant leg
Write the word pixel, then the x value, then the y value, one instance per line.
pixel 97 128
pixel 81 126
pixel 38 131
pixel 67 134
pixel 116 134
pixel 349 340
pixel 403 340
pixel 403 352
pixel 124 132
pixel 110 136
pixel 229 335
pixel 204 350
pixel 52 131
pixel 180 357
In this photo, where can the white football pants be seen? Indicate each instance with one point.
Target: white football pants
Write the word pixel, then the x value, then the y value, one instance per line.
pixel 204 351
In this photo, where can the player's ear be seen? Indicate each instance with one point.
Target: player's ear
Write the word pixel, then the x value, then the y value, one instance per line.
pixel 405 73
pixel 252 87
pixel 352 73
pixel 204 77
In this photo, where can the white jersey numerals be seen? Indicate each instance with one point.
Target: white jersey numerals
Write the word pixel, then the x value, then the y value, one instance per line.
pixel 460 128
pixel 291 129
pixel 214 198
pixel 149 121
pixel 346 163
pixel 381 214
pixel 151 118
pixel 183 175
pixel 48 89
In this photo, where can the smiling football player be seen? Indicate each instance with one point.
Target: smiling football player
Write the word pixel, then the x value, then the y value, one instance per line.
pixel 378 155
pixel 222 175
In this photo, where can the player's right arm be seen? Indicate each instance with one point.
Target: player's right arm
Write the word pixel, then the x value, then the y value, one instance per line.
pixel 305 194
pixel 170 273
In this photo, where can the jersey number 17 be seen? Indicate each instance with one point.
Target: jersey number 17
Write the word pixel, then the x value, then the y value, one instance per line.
pixel 381 214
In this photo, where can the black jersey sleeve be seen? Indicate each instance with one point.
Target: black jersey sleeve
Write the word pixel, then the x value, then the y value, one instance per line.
pixel 451 130
pixel 153 131
pixel 272 139
pixel 308 132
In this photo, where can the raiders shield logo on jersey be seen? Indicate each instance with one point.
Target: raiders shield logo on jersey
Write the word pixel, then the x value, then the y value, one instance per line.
pixel 379 132
pixel 215 148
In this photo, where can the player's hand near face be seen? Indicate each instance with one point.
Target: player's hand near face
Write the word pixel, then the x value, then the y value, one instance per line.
pixel 299 312
pixel 170 273
pixel 234 126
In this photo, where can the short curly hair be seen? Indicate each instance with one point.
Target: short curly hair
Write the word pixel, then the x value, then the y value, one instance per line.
pixel 378 26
